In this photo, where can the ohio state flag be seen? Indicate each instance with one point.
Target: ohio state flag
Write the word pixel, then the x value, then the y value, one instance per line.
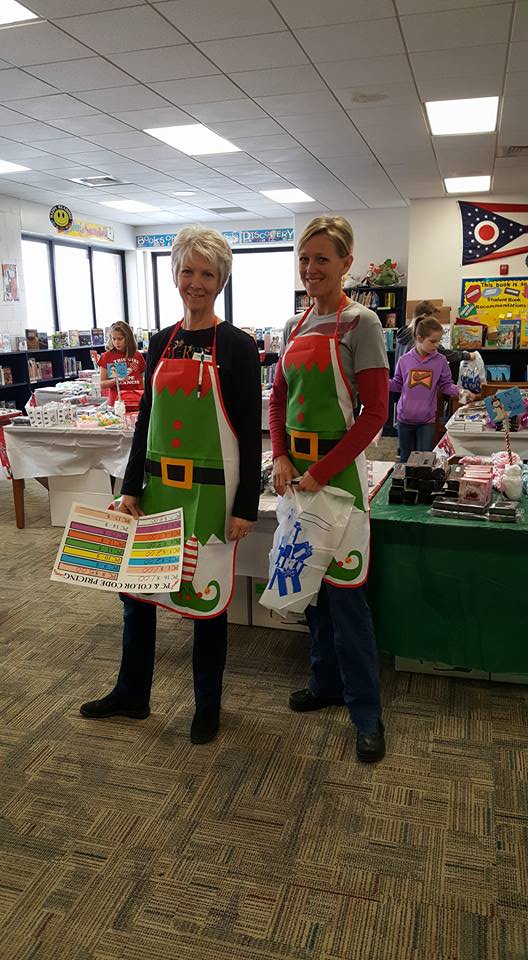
pixel 487 235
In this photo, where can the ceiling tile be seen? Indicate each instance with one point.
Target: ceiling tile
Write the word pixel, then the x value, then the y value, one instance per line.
pixel 158 117
pixel 95 123
pixel 246 128
pixel 38 43
pixel 198 89
pixel 119 141
pixel 93 73
pixel 255 53
pixel 295 104
pixel 16 84
pixel 365 70
pixel 11 116
pixel 514 121
pixel 520 27
pixel 66 146
pixel 518 56
pixel 330 43
pixel 52 108
pixel 263 83
pixel 258 146
pixel 57 8
pixel 517 83
pixel 407 118
pixel 435 65
pixel 460 155
pixel 119 99
pixel 311 13
pixel 223 110
pixel 232 18
pixel 455 28
pixel 458 88
pixel 112 32
pixel 17 151
pixel 437 6
pixel 379 96
pixel 165 63
pixel 29 132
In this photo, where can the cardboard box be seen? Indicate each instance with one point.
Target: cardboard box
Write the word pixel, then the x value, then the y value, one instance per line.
pixel 92 488
pixel 439 669
pixel 239 610
pixel 412 303
pixel 263 617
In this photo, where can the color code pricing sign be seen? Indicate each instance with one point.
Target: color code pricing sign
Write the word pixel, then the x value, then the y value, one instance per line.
pixel 112 551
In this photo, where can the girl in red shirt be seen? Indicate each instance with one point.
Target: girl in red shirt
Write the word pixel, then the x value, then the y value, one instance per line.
pixel 122 347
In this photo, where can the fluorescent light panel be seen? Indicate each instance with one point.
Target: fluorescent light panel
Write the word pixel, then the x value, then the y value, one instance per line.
pixel 455 117
pixel 467 184
pixel 184 193
pixel 6 167
pixel 128 206
pixel 287 196
pixel 193 139
pixel 13 12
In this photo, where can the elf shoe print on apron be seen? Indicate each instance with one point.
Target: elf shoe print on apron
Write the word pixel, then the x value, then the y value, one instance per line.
pixel 319 412
pixel 193 462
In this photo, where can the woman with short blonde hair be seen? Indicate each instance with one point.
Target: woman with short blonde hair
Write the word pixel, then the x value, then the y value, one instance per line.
pixel 333 357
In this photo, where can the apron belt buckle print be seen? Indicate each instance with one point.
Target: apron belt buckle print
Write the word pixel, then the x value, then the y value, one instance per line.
pixel 181 473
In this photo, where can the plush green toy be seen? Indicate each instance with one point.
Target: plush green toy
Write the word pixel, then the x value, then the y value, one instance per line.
pixel 386 274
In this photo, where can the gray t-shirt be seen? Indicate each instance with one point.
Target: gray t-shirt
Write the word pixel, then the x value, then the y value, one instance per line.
pixel 361 340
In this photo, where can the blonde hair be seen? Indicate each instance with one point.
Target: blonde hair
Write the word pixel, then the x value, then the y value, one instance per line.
pixel 207 243
pixel 424 326
pixel 337 229
pixel 130 341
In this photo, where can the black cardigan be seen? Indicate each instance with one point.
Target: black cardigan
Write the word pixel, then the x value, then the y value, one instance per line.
pixel 239 374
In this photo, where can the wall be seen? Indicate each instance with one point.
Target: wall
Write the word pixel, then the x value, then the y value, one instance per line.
pixel 378 234
pixel 12 315
pixel 435 250
pixel 35 219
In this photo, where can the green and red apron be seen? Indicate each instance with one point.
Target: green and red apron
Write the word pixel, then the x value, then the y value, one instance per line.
pixel 193 462
pixel 319 412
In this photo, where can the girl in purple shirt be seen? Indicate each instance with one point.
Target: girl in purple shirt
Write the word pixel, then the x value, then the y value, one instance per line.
pixel 419 374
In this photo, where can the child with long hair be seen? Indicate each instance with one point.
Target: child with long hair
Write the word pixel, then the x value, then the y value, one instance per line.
pixel 419 374
pixel 121 346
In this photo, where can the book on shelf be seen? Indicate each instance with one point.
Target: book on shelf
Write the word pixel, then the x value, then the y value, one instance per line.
pixel 5 343
pixel 43 340
pixel 56 341
pixel 6 376
pixel 508 335
pixel 98 337
pixel 85 338
pixel 466 337
pixel 390 338
pixel 39 369
pixel 498 372
pixel 73 338
pixel 32 339
pixel 21 344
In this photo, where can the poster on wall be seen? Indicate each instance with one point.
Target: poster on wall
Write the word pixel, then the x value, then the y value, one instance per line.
pixel 489 233
pixel 10 282
pixel 495 297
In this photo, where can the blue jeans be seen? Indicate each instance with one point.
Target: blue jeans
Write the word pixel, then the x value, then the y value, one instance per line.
pixel 139 645
pixel 414 436
pixel 344 658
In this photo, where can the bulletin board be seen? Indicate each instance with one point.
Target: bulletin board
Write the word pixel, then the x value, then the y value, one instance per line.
pixel 495 296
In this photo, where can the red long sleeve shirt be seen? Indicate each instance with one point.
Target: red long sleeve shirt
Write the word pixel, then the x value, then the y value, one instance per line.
pixel 373 388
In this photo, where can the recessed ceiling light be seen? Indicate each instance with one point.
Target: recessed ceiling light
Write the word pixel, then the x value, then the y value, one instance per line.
pixel 129 206
pixel 287 196
pixel 455 117
pixel 184 193
pixel 193 139
pixel 13 12
pixel 6 167
pixel 467 184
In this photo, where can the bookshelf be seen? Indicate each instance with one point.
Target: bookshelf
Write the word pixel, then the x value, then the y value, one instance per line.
pixel 21 363
pixel 387 302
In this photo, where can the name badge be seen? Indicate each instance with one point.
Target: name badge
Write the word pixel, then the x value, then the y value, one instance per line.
pixel 203 357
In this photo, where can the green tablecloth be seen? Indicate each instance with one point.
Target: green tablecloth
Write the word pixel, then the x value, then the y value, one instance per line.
pixel 452 591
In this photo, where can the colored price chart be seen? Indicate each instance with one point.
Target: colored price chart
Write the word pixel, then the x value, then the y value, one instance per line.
pixel 112 551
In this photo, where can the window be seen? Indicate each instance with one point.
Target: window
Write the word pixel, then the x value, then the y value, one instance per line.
pixel 74 290
pixel 262 287
pixel 37 285
pixel 72 287
pixel 107 271
pixel 169 304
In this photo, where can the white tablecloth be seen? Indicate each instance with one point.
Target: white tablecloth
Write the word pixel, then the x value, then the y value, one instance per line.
pixel 485 443
pixel 59 451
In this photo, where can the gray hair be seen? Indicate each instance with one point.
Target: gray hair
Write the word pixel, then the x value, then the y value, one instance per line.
pixel 207 243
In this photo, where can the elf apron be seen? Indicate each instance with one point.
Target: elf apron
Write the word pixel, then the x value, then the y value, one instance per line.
pixel 319 412
pixel 193 462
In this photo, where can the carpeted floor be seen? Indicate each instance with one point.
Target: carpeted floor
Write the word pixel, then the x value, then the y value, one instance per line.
pixel 121 840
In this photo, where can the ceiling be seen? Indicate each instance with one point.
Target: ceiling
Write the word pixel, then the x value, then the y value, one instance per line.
pixel 324 96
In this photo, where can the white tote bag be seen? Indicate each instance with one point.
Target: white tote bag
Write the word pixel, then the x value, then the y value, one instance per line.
pixel 310 529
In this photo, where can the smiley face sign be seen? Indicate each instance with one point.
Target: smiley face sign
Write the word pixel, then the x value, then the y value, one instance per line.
pixel 61 217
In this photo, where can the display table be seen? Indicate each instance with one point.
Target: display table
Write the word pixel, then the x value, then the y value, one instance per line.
pixel 64 451
pixel 485 442
pixel 446 590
